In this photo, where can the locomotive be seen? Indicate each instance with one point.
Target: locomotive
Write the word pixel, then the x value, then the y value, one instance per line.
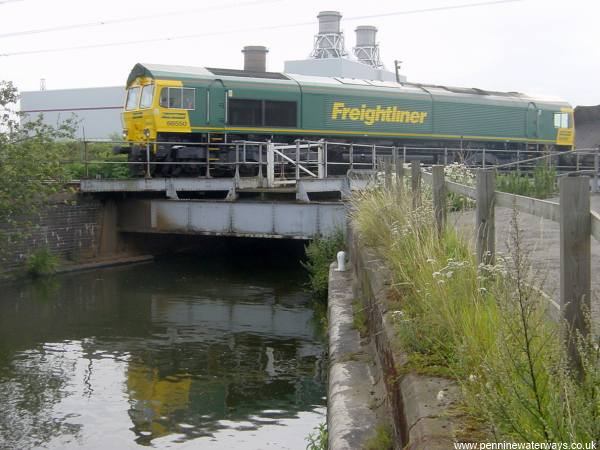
pixel 171 110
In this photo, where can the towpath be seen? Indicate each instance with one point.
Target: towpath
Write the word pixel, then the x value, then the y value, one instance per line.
pixel 541 239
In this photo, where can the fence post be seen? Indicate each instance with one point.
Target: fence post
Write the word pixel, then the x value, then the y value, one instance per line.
pixel 237 164
pixel 85 156
pixel 148 174
pixel 325 160
pixel 485 225
pixel 270 165
pixel 320 160
pixel 387 170
pixel 297 159
pixel 575 254
pixel 399 174
pixel 439 197
pixel 596 169
pixel 415 168
pixel 373 157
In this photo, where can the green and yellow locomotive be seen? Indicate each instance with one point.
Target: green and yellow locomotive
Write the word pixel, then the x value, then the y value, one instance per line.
pixel 168 107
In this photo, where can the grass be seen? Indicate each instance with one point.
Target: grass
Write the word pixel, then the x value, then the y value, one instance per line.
pixel 381 438
pixel 486 327
pixel 359 318
pixel 318 439
pixel 541 184
pixel 42 262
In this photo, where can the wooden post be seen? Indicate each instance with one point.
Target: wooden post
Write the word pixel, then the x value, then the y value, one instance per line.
pixel 439 197
pixel 387 170
pixel 484 217
pixel 415 168
pixel 596 170
pixel 575 266
pixel 399 174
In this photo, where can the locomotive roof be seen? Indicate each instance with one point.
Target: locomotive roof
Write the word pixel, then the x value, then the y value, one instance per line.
pixel 208 73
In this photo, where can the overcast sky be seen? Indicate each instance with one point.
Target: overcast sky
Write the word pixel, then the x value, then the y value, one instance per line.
pixel 549 47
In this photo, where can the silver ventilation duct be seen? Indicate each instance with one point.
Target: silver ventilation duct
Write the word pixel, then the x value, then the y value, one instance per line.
pixel 255 58
pixel 329 42
pixel 367 49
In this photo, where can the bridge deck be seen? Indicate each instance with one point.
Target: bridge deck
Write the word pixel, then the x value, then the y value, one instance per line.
pixel 302 188
pixel 279 220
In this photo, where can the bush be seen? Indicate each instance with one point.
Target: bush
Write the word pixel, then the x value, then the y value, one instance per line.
pixel 542 183
pixel 104 164
pixel 320 253
pixel 41 263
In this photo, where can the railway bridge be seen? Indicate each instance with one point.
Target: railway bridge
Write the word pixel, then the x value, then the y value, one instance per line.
pixel 267 190
pixel 289 195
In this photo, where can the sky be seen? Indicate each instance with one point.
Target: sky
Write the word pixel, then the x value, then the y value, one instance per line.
pixel 541 47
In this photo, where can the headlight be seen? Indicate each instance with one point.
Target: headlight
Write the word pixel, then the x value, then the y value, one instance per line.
pixel 146 133
pixel 124 134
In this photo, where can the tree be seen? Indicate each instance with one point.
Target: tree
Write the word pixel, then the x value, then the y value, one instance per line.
pixel 30 163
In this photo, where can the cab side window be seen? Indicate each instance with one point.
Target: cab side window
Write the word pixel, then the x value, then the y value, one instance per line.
pixel 180 98
pixel 561 120
pixel 174 98
pixel 164 98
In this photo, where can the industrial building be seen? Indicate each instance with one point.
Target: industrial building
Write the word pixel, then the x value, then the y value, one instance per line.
pixel 96 110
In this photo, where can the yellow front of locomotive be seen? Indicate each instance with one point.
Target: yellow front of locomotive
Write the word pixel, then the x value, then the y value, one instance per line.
pixel 151 108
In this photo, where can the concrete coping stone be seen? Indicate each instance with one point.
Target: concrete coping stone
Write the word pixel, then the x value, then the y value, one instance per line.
pixel 350 417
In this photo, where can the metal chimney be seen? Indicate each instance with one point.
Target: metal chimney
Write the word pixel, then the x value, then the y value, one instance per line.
pixel 255 58
pixel 329 42
pixel 367 49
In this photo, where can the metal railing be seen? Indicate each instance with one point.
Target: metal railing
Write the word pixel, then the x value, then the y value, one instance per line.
pixel 283 163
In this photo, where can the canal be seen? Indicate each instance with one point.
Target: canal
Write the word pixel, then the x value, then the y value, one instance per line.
pixel 194 351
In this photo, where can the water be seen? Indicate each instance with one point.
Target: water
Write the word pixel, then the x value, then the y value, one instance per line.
pixel 182 353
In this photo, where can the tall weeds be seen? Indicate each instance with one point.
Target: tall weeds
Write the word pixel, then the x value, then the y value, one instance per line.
pixel 487 327
pixel 541 183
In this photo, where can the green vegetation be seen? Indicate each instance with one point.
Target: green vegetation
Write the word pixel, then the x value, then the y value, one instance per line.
pixel 459 173
pixel 487 327
pixel 318 439
pixel 36 161
pixel 542 183
pixel 359 318
pixel 320 253
pixel 103 163
pixel 41 263
pixel 381 439
pixel 30 167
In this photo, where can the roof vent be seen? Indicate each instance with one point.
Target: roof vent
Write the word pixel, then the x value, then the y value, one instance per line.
pixel 367 49
pixel 255 58
pixel 329 42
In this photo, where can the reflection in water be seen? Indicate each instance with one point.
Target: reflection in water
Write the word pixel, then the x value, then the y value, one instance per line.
pixel 177 352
